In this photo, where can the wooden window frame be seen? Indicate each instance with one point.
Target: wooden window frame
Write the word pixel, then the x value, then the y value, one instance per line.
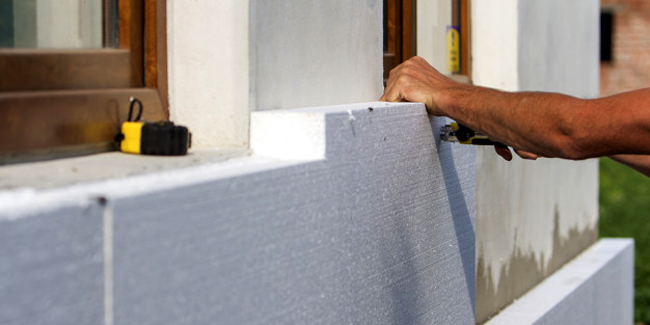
pixel 465 31
pixel 70 102
pixel 401 38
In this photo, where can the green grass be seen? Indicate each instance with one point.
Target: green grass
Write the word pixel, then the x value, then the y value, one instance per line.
pixel 625 212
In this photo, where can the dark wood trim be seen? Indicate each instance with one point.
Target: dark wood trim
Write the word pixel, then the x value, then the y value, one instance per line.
pixel 161 53
pixel 45 120
pixel 401 37
pixel 409 29
pixel 151 44
pixel 465 41
pixel 156 48
pixel 132 37
pixel 106 25
pixel 125 18
pixel 394 25
pixel 390 62
pixel 38 69
pixel 455 12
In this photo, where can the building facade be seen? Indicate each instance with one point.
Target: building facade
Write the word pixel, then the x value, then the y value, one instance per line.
pixel 625 65
pixel 332 208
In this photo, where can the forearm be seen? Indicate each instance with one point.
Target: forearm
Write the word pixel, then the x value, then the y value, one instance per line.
pixel 546 124
pixel 537 122
pixel 640 163
pixel 551 124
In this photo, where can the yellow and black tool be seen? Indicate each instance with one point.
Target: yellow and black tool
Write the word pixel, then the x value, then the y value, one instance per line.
pixel 148 138
pixel 456 132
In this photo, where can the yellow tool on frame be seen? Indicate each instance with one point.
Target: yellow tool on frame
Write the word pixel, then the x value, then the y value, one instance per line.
pixel 148 138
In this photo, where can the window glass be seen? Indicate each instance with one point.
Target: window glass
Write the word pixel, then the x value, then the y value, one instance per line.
pixel 58 24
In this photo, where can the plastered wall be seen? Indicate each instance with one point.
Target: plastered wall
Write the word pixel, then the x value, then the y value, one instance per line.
pixel 307 53
pixel 596 287
pixel 230 57
pixel 532 217
pixel 208 70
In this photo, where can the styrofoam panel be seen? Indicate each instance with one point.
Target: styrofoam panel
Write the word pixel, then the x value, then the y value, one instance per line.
pixel 379 231
pixel 52 267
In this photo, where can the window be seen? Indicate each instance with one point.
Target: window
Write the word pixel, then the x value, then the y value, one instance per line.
pixel 440 28
pixel 460 15
pixel 62 97
pixel 606 36
pixel 399 32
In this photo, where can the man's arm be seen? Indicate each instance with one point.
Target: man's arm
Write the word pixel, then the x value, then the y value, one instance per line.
pixel 640 163
pixel 545 124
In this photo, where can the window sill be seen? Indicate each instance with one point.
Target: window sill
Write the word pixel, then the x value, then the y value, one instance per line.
pixel 280 139
pixel 105 166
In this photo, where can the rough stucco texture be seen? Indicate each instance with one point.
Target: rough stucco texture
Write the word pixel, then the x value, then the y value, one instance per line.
pixel 208 70
pixel 597 287
pixel 314 53
pixel 380 230
pixel 532 217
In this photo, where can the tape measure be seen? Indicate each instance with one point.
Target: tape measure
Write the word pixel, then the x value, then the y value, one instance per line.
pixel 152 138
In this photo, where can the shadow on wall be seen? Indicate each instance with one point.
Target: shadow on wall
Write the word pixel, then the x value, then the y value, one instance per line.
pixel 411 294
pixel 460 212
pixel 406 293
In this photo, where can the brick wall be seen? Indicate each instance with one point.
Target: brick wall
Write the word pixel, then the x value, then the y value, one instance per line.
pixel 630 65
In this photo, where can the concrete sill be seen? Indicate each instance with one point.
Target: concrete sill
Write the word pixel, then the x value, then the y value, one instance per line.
pixel 279 139
pixel 106 166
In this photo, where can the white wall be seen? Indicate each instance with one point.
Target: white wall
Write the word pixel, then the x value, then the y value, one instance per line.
pixel 532 216
pixel 310 53
pixel 208 70
pixel 495 32
pixel 229 57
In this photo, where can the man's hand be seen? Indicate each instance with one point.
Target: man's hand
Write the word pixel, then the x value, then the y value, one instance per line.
pixel 534 124
pixel 507 155
pixel 417 81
